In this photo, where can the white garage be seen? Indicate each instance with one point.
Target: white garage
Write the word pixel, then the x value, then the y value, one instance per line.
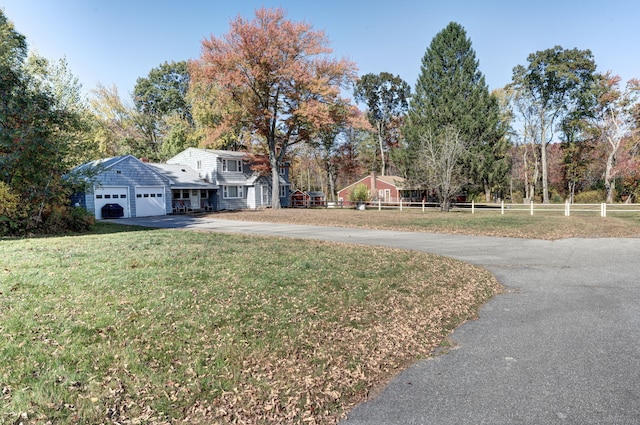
pixel 150 200
pixel 111 195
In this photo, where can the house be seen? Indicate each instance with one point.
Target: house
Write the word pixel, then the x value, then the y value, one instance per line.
pixel 381 188
pixel 195 179
pixel 316 199
pixel 239 186
pixel 125 182
pixel 189 191
pixel 300 199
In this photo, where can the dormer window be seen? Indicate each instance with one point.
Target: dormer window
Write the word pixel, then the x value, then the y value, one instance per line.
pixel 230 165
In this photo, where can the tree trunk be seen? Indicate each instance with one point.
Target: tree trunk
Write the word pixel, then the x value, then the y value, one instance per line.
pixel 275 176
pixel 609 182
pixel 543 158
pixel 380 128
pixel 545 177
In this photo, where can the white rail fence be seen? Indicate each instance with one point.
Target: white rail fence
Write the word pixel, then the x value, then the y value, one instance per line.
pixel 503 208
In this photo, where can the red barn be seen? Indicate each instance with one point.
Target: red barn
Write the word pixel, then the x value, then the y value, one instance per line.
pixel 381 188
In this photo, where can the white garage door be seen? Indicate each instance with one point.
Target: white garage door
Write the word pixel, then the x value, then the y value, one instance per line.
pixel 111 195
pixel 150 201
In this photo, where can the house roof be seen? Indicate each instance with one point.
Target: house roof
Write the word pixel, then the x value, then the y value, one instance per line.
pixel 102 163
pixel 182 176
pixel 396 181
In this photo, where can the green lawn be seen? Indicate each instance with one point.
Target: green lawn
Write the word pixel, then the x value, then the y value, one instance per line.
pixel 158 326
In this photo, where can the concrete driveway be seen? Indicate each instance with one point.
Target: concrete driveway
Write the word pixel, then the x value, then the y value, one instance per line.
pixel 562 346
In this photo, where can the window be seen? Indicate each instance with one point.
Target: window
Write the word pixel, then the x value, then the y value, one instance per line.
pixel 198 165
pixel 98 196
pixel 231 165
pixel 283 171
pixel 283 191
pixel 231 192
pixel 180 194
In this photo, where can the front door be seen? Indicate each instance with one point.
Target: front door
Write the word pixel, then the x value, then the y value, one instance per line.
pixel 194 199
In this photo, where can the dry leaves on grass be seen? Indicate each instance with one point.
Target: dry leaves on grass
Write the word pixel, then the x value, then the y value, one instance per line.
pixel 331 365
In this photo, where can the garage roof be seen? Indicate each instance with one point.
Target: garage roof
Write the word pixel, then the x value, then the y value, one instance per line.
pixel 182 177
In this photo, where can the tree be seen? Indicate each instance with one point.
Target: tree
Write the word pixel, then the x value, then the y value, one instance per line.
pixel 56 79
pixel 327 140
pixel 451 91
pixel 555 85
pixel 117 125
pixel 614 121
pixel 439 165
pixel 33 155
pixel 165 113
pixel 275 79
pixel 386 97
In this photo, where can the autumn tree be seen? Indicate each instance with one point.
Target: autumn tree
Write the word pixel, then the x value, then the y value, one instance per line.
pixel 555 85
pixel 327 141
pixel 614 122
pixel 386 96
pixel 117 126
pixel 451 92
pixel 275 79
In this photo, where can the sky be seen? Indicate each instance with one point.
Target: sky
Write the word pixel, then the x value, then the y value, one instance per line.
pixel 115 42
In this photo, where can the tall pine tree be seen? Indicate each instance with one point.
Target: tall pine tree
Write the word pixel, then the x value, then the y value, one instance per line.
pixel 451 93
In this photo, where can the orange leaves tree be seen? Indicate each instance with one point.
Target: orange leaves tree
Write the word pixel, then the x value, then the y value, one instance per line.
pixel 274 80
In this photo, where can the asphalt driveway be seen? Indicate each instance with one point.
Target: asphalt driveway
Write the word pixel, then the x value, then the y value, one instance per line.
pixel 562 346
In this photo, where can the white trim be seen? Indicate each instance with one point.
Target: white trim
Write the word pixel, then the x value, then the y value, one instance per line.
pixel 239 192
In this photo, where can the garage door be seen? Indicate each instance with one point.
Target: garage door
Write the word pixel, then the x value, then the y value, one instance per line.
pixel 150 201
pixel 111 195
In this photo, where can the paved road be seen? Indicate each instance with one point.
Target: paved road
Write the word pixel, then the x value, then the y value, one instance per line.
pixel 562 346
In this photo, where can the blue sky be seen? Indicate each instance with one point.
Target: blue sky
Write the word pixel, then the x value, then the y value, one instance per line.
pixel 116 41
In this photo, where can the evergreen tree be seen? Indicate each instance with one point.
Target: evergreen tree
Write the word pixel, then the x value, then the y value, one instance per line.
pixel 451 93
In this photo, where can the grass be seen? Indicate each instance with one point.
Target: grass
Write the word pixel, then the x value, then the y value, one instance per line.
pixel 129 325
pixel 543 225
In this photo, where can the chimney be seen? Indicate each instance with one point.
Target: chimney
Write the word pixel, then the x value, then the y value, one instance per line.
pixel 374 184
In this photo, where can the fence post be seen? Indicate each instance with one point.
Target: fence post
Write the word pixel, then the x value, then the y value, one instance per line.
pixel 400 204
pixel 379 204
pixel 531 207
pixel 603 209
pixel 567 208
pixel 473 206
pixel 422 204
pixel 502 207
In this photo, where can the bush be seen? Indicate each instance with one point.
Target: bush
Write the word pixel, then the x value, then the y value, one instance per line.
pixel 518 197
pixel 360 193
pixel 65 219
pixel 589 197
pixel 11 214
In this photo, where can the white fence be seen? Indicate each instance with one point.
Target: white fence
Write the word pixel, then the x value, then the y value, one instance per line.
pixel 503 208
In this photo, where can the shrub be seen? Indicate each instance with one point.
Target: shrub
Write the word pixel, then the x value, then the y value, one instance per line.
pixel 517 198
pixel 589 197
pixel 65 219
pixel 11 214
pixel 360 193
